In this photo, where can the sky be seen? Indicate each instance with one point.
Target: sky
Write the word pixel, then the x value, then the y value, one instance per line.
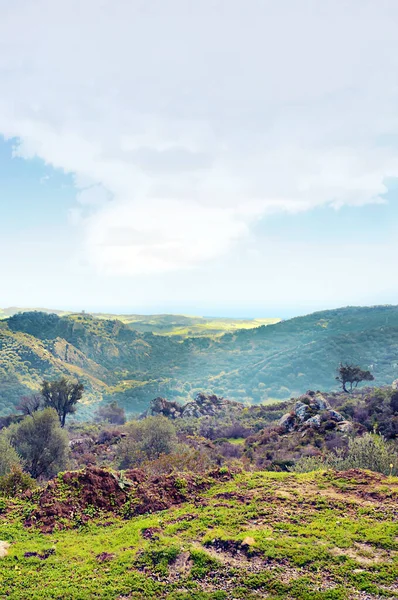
pixel 223 157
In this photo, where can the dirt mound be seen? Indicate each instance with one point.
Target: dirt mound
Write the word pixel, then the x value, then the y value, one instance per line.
pixel 73 498
pixel 233 547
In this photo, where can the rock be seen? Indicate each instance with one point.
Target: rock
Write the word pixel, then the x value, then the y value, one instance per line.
pixel 301 410
pixel 202 406
pixel 394 384
pixel 336 416
pixel 288 422
pixel 345 426
pixel 320 403
pixel 314 421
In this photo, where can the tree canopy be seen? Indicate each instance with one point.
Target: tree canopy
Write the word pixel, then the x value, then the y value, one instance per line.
pixel 62 395
pixel 352 375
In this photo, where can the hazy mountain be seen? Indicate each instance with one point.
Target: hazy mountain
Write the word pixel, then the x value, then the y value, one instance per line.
pixel 114 360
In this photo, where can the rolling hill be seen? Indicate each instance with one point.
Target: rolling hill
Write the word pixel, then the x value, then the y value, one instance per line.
pixel 178 325
pixel 115 361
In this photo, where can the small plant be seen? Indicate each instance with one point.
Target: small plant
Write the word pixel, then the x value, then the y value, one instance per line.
pixel 16 482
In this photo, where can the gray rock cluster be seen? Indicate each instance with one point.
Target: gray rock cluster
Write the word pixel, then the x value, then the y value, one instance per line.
pixel 204 405
pixel 309 411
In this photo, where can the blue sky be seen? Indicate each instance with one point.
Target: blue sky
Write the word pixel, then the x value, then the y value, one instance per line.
pixel 225 160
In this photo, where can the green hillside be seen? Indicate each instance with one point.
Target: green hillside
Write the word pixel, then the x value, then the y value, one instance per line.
pixel 254 365
pixel 319 536
pixel 179 325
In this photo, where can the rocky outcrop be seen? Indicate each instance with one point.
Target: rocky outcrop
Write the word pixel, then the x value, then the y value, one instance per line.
pixel 310 410
pixel 204 405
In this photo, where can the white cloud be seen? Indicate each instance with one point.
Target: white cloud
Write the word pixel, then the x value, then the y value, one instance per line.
pixel 184 123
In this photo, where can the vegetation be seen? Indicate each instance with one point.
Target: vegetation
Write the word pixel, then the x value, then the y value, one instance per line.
pixel 370 451
pixel 217 500
pixel 322 536
pixel 147 440
pixel 40 442
pixel 111 412
pixel 62 396
pixel 176 325
pixel 353 375
pixel 9 458
pixel 117 363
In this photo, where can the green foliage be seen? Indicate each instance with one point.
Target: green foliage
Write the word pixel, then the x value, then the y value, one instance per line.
pixel 41 443
pixel 353 375
pixel 147 440
pixel 370 451
pixel 62 395
pixel 262 534
pixel 116 362
pixel 373 452
pixel 8 456
pixel 16 482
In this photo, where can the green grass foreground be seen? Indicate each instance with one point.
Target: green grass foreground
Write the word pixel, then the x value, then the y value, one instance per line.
pixel 321 535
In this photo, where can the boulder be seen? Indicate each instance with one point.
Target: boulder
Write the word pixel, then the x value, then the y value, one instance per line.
pixel 288 422
pixel 314 421
pixel 336 416
pixel 345 426
pixel 302 411
pixel 320 403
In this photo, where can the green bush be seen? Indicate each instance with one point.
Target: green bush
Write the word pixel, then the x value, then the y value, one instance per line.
pixel 371 451
pixel 8 456
pixel 41 443
pixel 147 440
pixel 16 482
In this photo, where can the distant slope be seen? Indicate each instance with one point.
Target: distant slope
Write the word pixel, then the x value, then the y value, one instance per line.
pixel 179 325
pixel 113 360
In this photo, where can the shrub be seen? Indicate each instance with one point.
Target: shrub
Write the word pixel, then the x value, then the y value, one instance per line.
pixel 8 456
pixel 371 451
pixel 147 440
pixel 41 443
pixel 183 459
pixel 112 412
pixel 16 482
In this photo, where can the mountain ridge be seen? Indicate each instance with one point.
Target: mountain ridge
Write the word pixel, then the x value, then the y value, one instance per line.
pixel 269 362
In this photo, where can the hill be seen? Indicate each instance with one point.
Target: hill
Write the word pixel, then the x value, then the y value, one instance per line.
pixel 255 365
pixel 178 325
pixel 224 535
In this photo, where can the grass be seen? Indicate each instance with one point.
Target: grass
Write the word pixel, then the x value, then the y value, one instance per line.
pixel 260 535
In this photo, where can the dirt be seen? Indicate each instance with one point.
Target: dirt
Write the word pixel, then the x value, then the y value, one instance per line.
pixel 104 557
pixel 74 498
pixel 42 556
pixel 151 533
pixel 365 554
pixel 181 567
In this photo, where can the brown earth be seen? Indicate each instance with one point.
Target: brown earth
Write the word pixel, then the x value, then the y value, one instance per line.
pixel 73 498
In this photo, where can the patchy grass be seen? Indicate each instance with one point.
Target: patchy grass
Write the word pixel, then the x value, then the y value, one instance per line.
pixel 259 535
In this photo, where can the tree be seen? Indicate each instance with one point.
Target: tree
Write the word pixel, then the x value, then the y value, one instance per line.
pixel 41 443
pixel 352 374
pixel 30 404
pixel 112 412
pixel 62 395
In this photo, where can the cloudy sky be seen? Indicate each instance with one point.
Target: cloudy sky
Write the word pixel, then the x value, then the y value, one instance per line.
pixel 221 157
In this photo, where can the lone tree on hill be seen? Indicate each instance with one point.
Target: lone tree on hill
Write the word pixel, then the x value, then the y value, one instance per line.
pixel 62 395
pixel 352 375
